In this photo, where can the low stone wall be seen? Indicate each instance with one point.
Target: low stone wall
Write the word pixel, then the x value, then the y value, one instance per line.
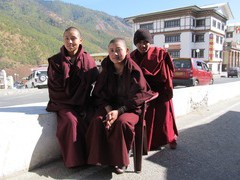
pixel 27 132
pixel 186 100
pixel 27 136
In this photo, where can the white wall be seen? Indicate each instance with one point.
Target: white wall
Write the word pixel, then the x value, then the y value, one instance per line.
pixel 186 44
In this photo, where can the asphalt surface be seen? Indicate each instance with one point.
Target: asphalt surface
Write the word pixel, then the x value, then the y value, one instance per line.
pixel 208 148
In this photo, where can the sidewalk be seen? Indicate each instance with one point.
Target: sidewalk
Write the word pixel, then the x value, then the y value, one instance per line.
pixel 206 150
pixel 222 74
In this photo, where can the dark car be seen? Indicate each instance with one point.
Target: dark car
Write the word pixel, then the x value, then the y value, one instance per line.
pixel 191 72
pixel 233 71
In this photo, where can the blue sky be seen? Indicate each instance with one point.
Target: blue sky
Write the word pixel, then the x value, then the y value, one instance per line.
pixel 127 8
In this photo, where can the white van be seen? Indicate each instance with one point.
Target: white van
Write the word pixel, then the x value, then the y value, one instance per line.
pixel 38 79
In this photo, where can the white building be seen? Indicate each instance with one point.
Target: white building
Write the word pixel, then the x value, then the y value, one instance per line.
pixel 196 32
pixel 3 79
pixel 6 82
pixel 232 46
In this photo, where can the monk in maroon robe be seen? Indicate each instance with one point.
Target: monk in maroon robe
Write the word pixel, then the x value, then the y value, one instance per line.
pixel 71 74
pixel 119 91
pixel 157 67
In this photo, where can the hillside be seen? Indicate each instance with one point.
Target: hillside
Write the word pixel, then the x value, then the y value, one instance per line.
pixel 31 31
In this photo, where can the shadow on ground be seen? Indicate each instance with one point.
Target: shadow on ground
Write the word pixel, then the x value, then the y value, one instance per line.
pixel 209 151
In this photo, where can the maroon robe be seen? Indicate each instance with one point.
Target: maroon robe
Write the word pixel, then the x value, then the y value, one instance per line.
pixel 69 85
pixel 111 147
pixel 157 67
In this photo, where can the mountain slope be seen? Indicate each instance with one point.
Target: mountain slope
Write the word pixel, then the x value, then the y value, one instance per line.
pixel 31 30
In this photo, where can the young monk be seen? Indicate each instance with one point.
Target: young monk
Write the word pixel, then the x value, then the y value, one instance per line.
pixel 119 90
pixel 157 67
pixel 71 74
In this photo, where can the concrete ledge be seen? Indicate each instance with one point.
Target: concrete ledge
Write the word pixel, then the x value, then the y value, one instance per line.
pixel 27 132
pixel 186 100
pixel 27 136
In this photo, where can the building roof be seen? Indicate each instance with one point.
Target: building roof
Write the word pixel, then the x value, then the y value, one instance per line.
pixel 221 9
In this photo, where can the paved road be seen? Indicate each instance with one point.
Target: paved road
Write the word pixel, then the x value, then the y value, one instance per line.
pixel 208 149
pixel 12 97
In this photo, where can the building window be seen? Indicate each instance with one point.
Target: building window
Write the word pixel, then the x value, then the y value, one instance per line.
pixel 217 39
pixel 172 23
pixel 214 23
pixel 194 22
pixel 148 26
pixel 221 40
pixel 229 34
pixel 198 38
pixel 199 54
pixel 219 25
pixel 216 54
pixel 172 38
pixel 223 27
pixel 174 53
pixel 221 55
pixel 210 67
pixel 200 22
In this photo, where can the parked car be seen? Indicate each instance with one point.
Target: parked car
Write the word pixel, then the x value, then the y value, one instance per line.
pixel 191 72
pixel 38 79
pixel 19 85
pixel 233 71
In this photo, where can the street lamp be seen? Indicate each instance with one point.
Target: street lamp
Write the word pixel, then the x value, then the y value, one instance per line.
pixel 166 46
pixel 197 51
pixel 15 77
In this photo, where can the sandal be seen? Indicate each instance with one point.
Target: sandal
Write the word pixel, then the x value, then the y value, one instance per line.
pixel 173 145
pixel 120 170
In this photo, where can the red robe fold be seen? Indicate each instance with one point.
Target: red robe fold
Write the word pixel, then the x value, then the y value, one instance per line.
pixel 69 85
pixel 157 67
pixel 111 147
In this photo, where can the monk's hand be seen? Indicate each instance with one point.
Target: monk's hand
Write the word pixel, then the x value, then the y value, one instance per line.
pixel 110 118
